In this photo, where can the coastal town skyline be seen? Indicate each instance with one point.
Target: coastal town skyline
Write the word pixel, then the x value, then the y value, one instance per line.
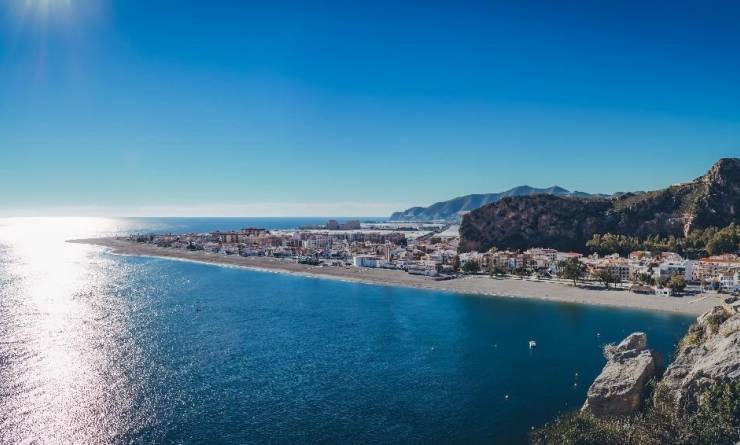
pixel 288 110
pixel 374 222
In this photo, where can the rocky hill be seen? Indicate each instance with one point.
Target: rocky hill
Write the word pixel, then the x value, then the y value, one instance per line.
pixel 454 208
pixel 566 222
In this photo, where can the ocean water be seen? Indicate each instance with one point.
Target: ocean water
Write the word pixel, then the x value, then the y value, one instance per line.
pixel 97 348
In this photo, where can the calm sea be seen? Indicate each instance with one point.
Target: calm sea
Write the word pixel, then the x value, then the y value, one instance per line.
pixel 97 348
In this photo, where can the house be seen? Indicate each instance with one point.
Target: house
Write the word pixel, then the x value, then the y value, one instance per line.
pixel 728 281
pixel 617 267
pixel 706 269
pixel 640 255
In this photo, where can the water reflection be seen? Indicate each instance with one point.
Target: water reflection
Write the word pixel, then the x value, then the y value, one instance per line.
pixel 96 348
pixel 53 346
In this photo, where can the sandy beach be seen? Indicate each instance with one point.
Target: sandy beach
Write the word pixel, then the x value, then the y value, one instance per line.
pixel 476 284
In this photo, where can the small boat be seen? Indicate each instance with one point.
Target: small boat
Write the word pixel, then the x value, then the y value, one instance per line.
pixel 532 344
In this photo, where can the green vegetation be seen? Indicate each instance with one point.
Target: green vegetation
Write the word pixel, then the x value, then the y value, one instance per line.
pixel 715 421
pixel 698 332
pixel 606 277
pixel 677 283
pixel 572 269
pixel 471 266
pixel 456 263
pixel 712 241
pixel 645 278
pixel 694 337
pixel 495 271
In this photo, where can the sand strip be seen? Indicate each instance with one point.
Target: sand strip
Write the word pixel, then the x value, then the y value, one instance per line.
pixel 478 284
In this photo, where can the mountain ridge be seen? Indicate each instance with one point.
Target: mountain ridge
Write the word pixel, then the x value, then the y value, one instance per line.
pixel 566 223
pixel 452 209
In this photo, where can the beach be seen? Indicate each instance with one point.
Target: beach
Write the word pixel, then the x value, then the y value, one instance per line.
pixel 473 284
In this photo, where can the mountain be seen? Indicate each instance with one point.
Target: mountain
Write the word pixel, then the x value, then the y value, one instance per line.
pixel 452 209
pixel 567 222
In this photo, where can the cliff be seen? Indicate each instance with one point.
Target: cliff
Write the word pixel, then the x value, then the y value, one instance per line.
pixel 566 223
pixel 707 356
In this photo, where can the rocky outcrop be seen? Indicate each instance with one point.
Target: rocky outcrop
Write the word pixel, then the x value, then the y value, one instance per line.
pixel 709 354
pixel 566 223
pixel 718 196
pixel 619 389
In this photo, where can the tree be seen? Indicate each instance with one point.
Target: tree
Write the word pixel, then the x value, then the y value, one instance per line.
pixel 471 266
pixel 677 283
pixel 494 270
pixel 572 269
pixel 724 241
pixel 606 277
pixel 456 263
pixel 646 278
pixel 661 281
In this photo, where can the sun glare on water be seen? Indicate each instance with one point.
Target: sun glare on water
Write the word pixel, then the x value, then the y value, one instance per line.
pixel 54 346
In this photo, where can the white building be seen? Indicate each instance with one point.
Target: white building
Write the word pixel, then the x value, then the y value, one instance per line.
pixel 366 261
pixel 667 269
pixel 729 281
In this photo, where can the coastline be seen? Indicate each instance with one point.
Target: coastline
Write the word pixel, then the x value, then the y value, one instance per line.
pixel 475 285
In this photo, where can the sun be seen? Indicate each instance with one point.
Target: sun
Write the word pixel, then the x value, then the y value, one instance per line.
pixel 26 17
pixel 48 11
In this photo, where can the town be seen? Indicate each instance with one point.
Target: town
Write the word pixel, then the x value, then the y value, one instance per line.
pixel 431 250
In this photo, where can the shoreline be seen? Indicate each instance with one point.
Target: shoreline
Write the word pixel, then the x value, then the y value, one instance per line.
pixel 471 285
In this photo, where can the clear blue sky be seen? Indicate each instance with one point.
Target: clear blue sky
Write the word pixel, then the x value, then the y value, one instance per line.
pixel 174 107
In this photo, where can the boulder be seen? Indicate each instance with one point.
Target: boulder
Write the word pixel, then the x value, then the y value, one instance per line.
pixel 618 390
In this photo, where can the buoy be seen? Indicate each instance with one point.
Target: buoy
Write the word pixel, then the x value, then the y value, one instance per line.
pixel 532 344
pixel 506 396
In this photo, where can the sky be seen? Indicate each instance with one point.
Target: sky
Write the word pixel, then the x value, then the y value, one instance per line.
pixel 275 108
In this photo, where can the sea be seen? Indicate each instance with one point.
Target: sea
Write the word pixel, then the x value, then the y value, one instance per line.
pixel 97 348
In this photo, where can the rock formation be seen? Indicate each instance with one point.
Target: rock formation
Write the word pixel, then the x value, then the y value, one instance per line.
pixel 709 354
pixel 566 223
pixel 619 389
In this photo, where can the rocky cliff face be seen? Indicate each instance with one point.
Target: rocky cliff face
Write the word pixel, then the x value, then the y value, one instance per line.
pixel 717 196
pixel 618 390
pixel 566 223
pixel 708 355
pixel 519 223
